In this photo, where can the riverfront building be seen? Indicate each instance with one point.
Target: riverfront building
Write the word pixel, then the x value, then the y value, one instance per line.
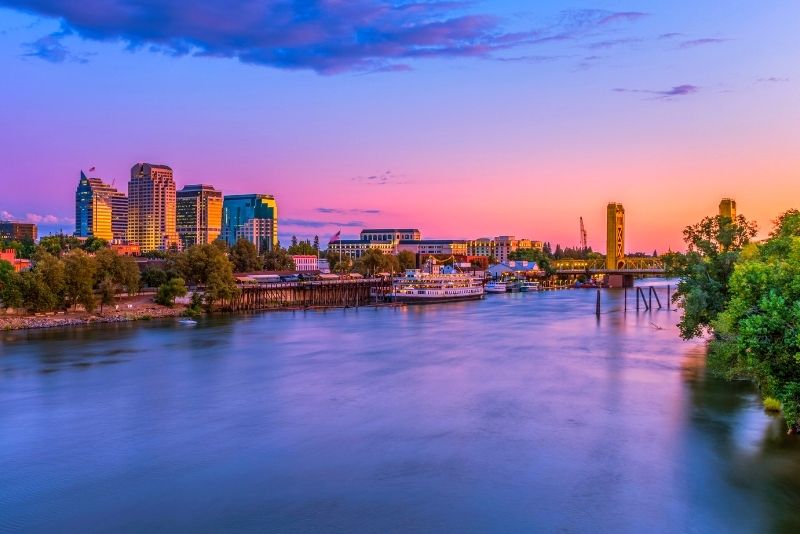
pixel 355 248
pixel 253 217
pixel 500 247
pixel 199 214
pixel 100 210
pixel 152 208
pixel 390 234
pixel 18 231
pixel 260 232
pixel 453 247
pixel 305 262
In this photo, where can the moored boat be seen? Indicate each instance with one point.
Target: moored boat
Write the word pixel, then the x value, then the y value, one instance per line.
pixel 529 285
pixel 419 287
pixel 496 287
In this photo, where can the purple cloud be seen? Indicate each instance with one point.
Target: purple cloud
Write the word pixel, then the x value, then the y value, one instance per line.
pixel 701 42
pixel 773 79
pixel 384 178
pixel 327 36
pixel 345 211
pixel 678 90
pixel 610 43
pixel 311 223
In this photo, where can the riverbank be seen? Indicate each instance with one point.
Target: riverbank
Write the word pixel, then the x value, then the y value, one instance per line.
pixel 134 309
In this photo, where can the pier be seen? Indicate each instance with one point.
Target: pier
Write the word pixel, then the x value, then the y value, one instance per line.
pixel 311 294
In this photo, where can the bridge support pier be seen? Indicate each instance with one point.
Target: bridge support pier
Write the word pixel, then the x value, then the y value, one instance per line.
pixel 619 280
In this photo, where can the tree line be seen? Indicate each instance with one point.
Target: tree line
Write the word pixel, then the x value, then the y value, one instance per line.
pixel 745 294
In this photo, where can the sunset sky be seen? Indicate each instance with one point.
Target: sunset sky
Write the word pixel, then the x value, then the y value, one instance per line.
pixel 462 119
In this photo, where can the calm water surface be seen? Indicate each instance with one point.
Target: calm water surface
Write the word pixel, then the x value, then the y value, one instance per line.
pixel 520 413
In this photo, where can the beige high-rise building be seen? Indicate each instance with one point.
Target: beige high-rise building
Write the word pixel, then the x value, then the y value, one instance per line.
pixel 152 207
pixel 199 219
pixel 727 208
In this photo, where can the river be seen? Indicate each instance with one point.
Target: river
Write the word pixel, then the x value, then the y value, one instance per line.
pixel 518 413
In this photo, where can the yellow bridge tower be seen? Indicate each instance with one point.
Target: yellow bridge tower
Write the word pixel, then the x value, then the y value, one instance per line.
pixel 615 239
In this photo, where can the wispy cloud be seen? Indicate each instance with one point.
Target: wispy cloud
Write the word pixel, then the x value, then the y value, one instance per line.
pixel 772 79
pixel 384 178
pixel 692 43
pixel 678 90
pixel 326 36
pixel 670 35
pixel 36 218
pixel 610 43
pixel 347 211
pixel 50 48
pixel 312 223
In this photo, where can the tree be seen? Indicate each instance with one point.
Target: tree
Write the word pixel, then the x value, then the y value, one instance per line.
pixel 713 245
pixel 107 289
pixel 79 277
pixel 278 260
pixel 10 286
pixel 59 244
pixel 316 243
pixel 294 240
pixel 221 284
pixel 245 257
pixel 406 260
pixel 302 248
pixel 43 287
pixel 154 276
pixel 169 290
pixel 93 244
pixel 122 271
pixel 758 332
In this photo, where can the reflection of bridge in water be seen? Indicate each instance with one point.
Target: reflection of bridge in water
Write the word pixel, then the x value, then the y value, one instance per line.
pixel 619 270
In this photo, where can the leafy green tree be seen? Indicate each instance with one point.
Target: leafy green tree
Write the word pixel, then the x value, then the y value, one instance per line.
pixel 154 276
pixel 316 243
pixel 121 270
pixel 221 284
pixel 59 244
pixel 79 278
pixel 278 260
pixel 406 260
pixel 713 244
pixel 170 290
pixel 10 286
pixel 93 244
pixel 245 257
pixel 302 248
pixel 758 333
pixel 108 293
pixel 43 287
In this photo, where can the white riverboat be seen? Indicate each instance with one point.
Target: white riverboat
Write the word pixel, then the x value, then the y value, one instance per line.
pixel 416 286
pixel 529 285
pixel 496 287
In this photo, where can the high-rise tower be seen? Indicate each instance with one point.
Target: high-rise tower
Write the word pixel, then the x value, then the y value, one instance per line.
pixel 151 207
pixel 615 238
pixel 252 217
pixel 199 219
pixel 100 210
pixel 727 208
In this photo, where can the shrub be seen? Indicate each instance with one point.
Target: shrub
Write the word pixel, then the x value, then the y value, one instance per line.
pixel 771 404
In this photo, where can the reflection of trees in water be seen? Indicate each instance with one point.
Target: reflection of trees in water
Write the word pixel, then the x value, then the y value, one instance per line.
pixel 750 454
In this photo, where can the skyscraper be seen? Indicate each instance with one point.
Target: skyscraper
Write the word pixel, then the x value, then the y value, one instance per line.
pixel 199 219
pixel 237 213
pixel 100 210
pixel 151 207
pixel 727 208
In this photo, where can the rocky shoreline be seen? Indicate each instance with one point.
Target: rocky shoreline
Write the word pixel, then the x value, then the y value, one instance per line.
pixel 53 320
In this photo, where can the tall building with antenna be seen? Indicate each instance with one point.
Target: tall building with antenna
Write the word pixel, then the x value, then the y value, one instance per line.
pixel 100 210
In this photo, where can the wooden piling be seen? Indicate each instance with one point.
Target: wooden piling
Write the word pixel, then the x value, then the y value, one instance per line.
pixel 597 305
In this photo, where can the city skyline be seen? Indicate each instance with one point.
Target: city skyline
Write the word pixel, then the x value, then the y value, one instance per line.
pixel 614 102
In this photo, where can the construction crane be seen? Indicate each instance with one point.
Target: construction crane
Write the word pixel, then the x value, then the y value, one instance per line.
pixel 583 236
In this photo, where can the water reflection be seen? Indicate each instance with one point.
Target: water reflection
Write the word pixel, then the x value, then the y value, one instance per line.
pixel 522 412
